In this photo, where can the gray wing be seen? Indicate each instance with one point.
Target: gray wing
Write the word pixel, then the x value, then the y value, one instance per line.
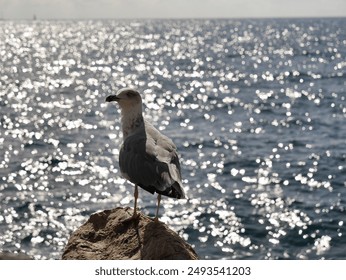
pixel 149 159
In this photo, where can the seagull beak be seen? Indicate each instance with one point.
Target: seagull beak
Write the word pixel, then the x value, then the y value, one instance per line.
pixel 111 98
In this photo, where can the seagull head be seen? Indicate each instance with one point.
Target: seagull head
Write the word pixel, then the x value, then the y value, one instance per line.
pixel 126 98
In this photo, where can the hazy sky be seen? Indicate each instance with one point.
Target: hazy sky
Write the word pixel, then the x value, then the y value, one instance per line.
pixel 61 9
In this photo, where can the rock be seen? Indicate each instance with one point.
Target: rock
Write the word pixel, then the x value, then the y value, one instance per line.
pixel 106 236
pixel 14 256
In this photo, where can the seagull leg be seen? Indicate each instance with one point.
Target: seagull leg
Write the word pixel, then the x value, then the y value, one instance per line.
pixel 135 215
pixel 158 207
pixel 135 206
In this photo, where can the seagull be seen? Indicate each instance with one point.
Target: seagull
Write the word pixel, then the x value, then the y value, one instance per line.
pixel 147 158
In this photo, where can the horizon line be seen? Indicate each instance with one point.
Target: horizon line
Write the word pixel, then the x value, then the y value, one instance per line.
pixel 35 18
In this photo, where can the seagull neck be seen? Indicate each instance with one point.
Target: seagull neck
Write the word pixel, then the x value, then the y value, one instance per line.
pixel 131 120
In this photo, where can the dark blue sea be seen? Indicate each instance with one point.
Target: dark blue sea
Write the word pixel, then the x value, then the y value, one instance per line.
pixel 256 108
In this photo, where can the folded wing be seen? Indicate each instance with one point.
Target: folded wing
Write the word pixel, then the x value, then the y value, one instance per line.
pixel 149 159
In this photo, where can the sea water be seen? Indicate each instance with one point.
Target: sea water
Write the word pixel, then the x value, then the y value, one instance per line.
pixel 256 109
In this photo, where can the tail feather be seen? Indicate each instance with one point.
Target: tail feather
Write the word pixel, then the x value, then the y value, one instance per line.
pixel 175 191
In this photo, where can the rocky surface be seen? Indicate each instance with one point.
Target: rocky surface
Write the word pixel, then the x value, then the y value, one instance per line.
pixel 14 256
pixel 110 235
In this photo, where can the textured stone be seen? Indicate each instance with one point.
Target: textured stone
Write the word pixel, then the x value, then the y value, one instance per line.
pixel 14 256
pixel 107 235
